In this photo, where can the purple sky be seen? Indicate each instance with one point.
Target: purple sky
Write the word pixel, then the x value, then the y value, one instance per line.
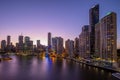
pixel 35 18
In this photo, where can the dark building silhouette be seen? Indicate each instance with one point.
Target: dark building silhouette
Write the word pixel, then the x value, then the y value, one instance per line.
pixel 38 44
pixel 9 46
pixel 27 42
pixel 49 39
pixel 93 19
pixel 20 44
pixel 3 45
pixel 8 40
pixel 49 42
pixel 97 40
pixel 76 46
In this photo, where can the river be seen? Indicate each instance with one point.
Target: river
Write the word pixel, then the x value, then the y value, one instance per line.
pixel 34 68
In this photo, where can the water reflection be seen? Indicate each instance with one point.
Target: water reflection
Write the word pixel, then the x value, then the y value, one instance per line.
pixel 44 68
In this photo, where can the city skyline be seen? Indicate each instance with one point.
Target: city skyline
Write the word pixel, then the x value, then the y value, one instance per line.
pixel 61 18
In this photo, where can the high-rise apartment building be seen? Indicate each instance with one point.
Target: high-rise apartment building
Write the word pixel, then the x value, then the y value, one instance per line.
pixel 81 44
pixel 60 47
pixel 108 28
pixel 57 45
pixel 69 47
pixel 54 44
pixel 84 42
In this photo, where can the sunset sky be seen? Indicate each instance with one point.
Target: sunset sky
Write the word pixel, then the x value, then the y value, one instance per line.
pixel 35 18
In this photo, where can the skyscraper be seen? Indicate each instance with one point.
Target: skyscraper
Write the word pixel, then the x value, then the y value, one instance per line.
pixel 26 42
pixel 38 44
pixel 86 38
pixel 76 46
pixel 93 19
pixel 60 47
pixel 81 44
pixel 3 45
pixel 57 45
pixel 8 43
pixel 27 39
pixel 8 40
pixel 97 40
pixel 31 45
pixel 49 39
pixel 108 28
pixel 84 42
pixel 54 44
pixel 69 47
pixel 20 39
pixel 20 44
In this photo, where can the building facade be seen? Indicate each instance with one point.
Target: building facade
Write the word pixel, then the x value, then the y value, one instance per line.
pixel 8 40
pixel 97 40
pixel 84 44
pixel 38 44
pixel 69 47
pixel 108 28
pixel 3 45
pixel 49 39
pixel 93 19
pixel 57 45
pixel 76 46
pixel 20 43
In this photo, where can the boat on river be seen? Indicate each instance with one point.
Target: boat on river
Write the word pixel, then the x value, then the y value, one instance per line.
pixel 5 57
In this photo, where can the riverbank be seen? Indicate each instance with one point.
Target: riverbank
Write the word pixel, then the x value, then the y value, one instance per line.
pixel 89 64
pixel 116 75
pixel 5 59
